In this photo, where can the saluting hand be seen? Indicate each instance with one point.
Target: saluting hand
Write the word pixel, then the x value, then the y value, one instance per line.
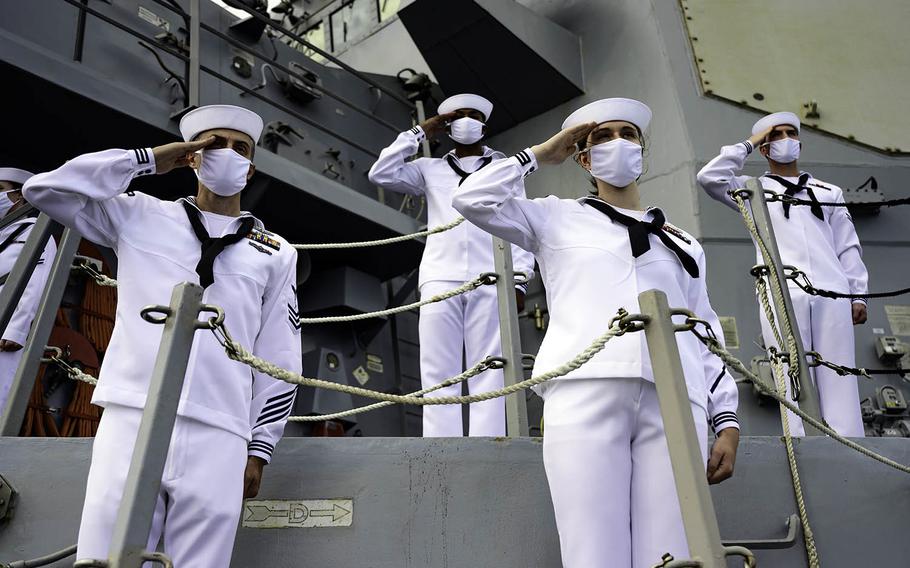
pixel 177 154
pixel 558 148
pixel 757 139
pixel 436 125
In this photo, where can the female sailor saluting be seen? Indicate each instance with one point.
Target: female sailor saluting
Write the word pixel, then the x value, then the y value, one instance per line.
pixel 604 451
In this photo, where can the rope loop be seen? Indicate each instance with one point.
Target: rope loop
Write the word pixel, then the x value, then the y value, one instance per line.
pixel 487 278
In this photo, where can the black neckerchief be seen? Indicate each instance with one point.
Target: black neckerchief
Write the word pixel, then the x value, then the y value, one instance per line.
pixel 794 188
pixel 453 163
pixel 639 232
pixel 213 246
pixel 14 235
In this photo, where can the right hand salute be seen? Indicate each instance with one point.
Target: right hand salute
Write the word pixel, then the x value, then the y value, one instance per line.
pixel 437 124
pixel 758 139
pixel 558 148
pixel 177 154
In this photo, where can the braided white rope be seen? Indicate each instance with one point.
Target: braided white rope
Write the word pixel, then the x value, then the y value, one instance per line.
pixel 238 353
pixel 380 242
pixel 740 368
pixel 778 373
pixel 472 372
pixel 463 289
pixel 74 373
pixel 99 278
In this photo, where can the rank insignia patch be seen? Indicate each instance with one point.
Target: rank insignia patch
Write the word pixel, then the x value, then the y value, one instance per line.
pixel 263 239
pixel 676 233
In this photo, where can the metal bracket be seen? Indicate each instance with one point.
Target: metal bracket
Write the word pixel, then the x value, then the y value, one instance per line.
pixel 793 530
pixel 8 498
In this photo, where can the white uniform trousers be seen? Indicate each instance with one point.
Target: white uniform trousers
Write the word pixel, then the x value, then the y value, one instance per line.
pixel 467 324
pixel 9 363
pixel 826 326
pixel 199 501
pixel 608 467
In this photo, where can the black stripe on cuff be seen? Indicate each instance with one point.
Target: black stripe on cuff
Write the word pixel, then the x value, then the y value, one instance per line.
pixel 523 158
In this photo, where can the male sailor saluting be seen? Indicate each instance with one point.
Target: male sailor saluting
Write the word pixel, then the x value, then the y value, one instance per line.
pixel 821 241
pixel 229 419
pixel 467 323
pixel 604 449
pixel 12 239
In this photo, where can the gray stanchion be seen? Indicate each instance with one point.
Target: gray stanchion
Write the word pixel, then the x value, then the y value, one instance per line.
pixel 134 518
pixel 24 266
pixel 33 350
pixel 510 339
pixel 808 393
pixel 699 518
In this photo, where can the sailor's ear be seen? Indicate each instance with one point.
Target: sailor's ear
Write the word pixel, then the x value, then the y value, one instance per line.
pixel 251 172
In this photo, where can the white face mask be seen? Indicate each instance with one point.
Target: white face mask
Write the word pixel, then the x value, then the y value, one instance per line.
pixel 617 162
pixel 466 130
pixel 223 171
pixel 784 151
pixel 6 203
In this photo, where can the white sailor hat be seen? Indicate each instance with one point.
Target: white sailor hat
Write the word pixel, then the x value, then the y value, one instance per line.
pixel 210 117
pixel 775 119
pixel 467 100
pixel 15 175
pixel 605 110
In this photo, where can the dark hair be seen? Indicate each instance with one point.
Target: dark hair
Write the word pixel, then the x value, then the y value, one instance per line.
pixel 582 144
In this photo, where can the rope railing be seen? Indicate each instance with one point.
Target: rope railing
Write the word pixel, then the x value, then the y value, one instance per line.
pixel 74 373
pixel 381 242
pixel 235 351
pixel 488 363
pixel 772 196
pixel 793 372
pixel 99 278
pixel 801 279
pixel 484 279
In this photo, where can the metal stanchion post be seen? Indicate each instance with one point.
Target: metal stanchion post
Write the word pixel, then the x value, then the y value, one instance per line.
pixel 24 379
pixel 513 372
pixel 24 266
pixel 808 395
pixel 702 531
pixel 140 495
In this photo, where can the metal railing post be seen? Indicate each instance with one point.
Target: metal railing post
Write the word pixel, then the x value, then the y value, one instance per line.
pixel 140 495
pixel 510 339
pixel 808 393
pixel 33 351
pixel 24 266
pixel 192 68
pixel 702 531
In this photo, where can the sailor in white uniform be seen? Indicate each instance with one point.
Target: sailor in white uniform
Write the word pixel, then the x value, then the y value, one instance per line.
pixel 468 323
pixel 604 448
pixel 230 418
pixel 12 239
pixel 821 241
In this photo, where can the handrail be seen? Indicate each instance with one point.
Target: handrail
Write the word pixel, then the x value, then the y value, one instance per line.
pixel 259 55
pixel 298 38
pixel 286 109
pixel 170 51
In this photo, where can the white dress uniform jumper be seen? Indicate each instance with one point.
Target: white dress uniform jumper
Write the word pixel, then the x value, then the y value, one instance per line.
pixel 605 451
pixel 12 239
pixel 822 242
pixel 227 412
pixel 468 323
